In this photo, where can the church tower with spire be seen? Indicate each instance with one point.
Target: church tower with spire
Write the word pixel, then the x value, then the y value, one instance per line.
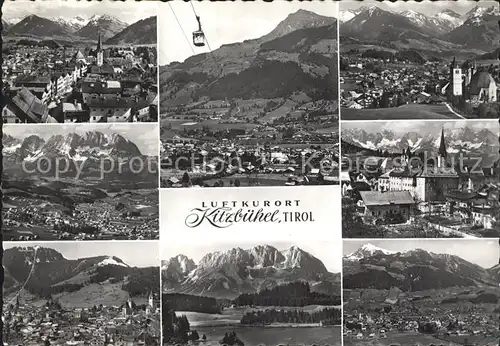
pixel 456 78
pixel 100 53
pixel 442 153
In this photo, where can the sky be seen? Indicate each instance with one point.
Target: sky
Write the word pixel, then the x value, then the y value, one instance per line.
pixel 326 251
pixel 422 127
pixel 224 22
pixel 425 7
pixel 133 253
pixel 483 252
pixel 127 11
pixel 144 135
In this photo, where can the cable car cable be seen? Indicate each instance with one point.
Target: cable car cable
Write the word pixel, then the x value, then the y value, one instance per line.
pixel 180 26
pixel 219 72
pixel 27 279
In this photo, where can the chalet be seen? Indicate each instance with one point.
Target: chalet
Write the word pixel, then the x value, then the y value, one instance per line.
pixel 382 204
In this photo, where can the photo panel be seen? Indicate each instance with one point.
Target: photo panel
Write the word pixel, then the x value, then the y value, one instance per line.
pixel 80 182
pixel 94 62
pixel 252 98
pixel 420 179
pixel 78 293
pixel 425 60
pixel 421 292
pixel 235 271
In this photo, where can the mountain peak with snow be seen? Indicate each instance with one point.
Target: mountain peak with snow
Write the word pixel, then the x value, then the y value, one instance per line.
pixel 368 250
pixel 115 261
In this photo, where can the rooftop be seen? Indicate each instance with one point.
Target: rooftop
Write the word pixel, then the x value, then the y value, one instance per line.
pixel 374 198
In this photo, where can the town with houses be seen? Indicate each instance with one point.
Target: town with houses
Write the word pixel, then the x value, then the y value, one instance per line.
pixel 51 81
pixel 430 84
pixel 99 220
pixel 51 324
pixel 428 293
pixel 415 82
pixel 405 317
pixel 288 151
pixel 419 194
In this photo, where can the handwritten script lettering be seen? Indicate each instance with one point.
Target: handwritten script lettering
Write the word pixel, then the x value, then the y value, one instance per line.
pixel 223 217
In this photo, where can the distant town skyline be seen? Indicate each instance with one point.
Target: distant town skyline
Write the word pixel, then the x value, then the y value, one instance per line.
pixel 422 127
pixel 133 253
pixel 483 252
pixel 144 135
pixel 427 7
pixel 128 12
pixel 224 23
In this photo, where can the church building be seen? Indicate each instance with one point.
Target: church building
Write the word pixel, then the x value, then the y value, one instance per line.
pixel 428 183
pixel 477 86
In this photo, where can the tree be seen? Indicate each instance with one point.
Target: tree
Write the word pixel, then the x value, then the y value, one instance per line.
pixel 384 101
pixel 186 180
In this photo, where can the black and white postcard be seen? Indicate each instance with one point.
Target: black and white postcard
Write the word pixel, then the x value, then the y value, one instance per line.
pixel 420 179
pixel 419 60
pixel 249 94
pixel 421 292
pixel 80 182
pixel 81 293
pixel 250 284
pixel 79 62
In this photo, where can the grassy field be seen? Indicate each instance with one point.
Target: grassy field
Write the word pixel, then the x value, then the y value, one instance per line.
pixel 93 294
pixel 180 124
pixel 406 112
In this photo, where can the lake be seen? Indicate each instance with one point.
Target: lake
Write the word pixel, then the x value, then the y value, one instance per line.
pixel 273 336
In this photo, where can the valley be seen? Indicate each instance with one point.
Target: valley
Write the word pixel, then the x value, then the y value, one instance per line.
pixel 80 188
pixel 412 300
pixel 406 70
pixel 263 112
pixel 51 299
pixel 257 295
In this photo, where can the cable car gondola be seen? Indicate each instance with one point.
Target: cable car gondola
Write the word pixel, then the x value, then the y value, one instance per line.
pixel 198 36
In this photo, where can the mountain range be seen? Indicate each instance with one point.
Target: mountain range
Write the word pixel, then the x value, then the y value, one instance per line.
pixel 79 282
pixel 91 148
pixel 476 31
pixel 460 140
pixel 78 28
pixel 298 56
pixel 418 270
pixel 230 273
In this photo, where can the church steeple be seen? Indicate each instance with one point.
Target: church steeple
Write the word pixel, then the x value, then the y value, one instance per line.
pixel 442 153
pixel 99 43
pixel 442 145
pixel 100 55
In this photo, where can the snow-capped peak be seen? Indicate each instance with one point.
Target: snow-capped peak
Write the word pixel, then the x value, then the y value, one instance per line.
pixel 373 10
pixel 97 17
pixel 367 250
pixel 480 11
pixel 13 20
pixel 78 21
pixel 347 15
pixel 111 261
